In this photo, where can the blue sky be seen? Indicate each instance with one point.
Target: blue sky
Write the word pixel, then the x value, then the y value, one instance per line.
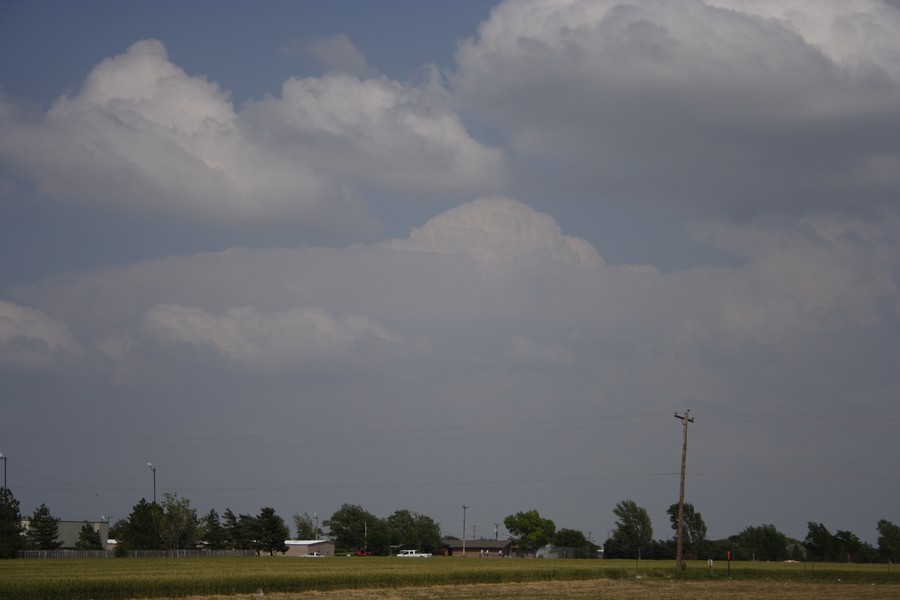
pixel 420 254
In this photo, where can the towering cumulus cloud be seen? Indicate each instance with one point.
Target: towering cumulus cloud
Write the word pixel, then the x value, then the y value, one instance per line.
pixel 141 135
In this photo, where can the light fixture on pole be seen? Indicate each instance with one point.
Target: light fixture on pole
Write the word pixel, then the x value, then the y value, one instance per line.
pixel 3 458
pixel 152 468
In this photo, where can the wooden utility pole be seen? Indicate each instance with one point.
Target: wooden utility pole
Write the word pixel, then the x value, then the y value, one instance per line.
pixel 679 563
pixel 464 529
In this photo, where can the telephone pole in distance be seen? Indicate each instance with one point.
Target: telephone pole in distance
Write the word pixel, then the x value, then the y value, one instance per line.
pixel 679 563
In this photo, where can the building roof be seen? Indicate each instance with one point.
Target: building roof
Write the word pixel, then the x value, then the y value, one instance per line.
pixel 306 542
pixel 488 544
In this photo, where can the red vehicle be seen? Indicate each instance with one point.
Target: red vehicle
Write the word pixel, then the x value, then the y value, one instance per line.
pixel 363 553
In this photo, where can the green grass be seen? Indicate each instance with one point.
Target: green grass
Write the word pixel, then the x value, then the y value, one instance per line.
pixel 122 578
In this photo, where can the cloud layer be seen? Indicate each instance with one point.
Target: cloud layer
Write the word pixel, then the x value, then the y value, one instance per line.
pixel 736 109
pixel 490 342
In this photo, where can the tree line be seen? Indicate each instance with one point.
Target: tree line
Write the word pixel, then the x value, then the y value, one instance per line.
pixel 174 524
pixel 633 538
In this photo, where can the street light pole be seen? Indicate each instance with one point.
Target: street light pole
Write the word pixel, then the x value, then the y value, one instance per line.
pixel 3 458
pixel 152 468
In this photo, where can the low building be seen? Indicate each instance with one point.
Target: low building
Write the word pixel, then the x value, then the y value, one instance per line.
pixel 307 547
pixel 477 548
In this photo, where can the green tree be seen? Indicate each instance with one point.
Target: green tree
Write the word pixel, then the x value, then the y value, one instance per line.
pixel 634 530
pixel 117 529
pixel 143 530
pixel 763 543
pixel 694 532
pixel 233 533
pixel 848 545
pixel 414 530
pixel 179 526
pixel 11 534
pixel 212 531
pixel 350 527
pixel 569 538
pixel 43 530
pixel 272 532
pixel 530 530
pixel 889 540
pixel 572 538
pixel 89 539
pixel 306 527
pixel 819 543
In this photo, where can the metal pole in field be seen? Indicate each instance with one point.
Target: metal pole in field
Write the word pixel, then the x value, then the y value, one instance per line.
pixel 679 562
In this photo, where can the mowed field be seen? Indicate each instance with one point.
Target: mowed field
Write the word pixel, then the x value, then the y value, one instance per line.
pixel 281 578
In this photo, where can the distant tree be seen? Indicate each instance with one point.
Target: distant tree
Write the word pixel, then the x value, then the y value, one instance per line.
pixel 848 545
pixel 572 538
pixel 89 538
pixel 272 532
pixel 820 544
pixel 414 530
pixel 11 534
pixel 143 531
pixel 212 531
pixel 694 531
pixel 306 527
pixel 179 526
pixel 43 530
pixel 530 530
pixel 230 525
pixel 569 538
pixel 350 527
pixel 763 543
pixel 634 530
pixel 889 540
pixel 117 529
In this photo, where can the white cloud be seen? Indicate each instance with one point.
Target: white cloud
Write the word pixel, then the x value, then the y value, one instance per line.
pixel 495 228
pixel 273 340
pixel 142 135
pixel 31 339
pixel 376 131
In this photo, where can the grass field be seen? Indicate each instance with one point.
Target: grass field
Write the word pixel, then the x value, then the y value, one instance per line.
pixel 389 578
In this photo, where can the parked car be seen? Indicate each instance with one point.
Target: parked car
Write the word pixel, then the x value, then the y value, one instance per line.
pixel 363 553
pixel 313 555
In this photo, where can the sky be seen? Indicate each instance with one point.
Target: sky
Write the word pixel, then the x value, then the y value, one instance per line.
pixel 420 255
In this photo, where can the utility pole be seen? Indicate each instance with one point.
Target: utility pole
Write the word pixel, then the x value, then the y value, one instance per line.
pixel 464 528
pixel 679 562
